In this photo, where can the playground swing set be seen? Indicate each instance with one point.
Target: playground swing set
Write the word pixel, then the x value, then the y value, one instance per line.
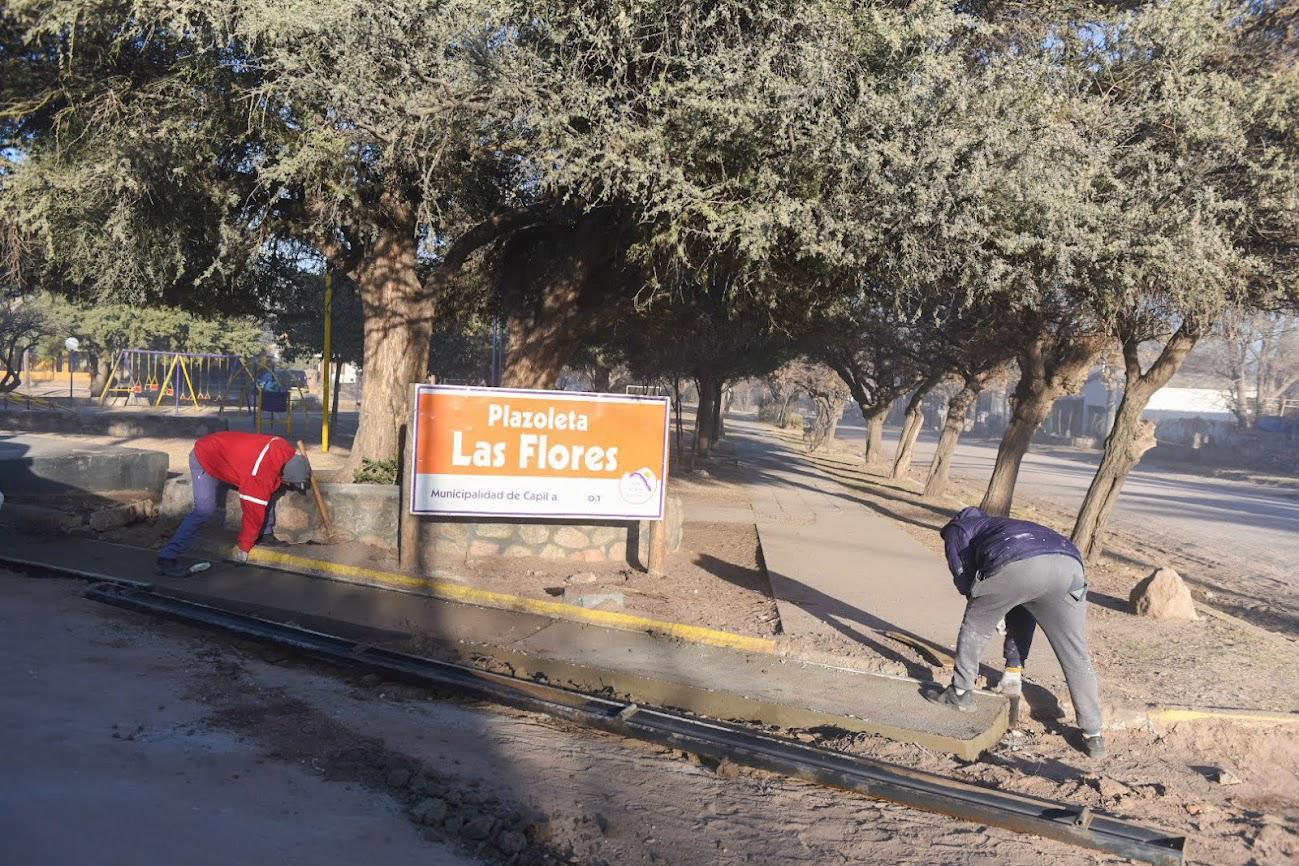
pixel 193 378
pixel 152 376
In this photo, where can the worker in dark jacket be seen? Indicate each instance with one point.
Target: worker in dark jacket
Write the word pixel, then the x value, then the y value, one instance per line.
pixel 257 467
pixel 1001 565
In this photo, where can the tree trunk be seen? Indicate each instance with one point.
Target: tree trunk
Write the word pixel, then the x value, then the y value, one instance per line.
pixel 102 365
pixel 676 404
pixel 915 419
pixel 941 467
pixel 397 330
pixel 545 277
pixel 718 411
pixel 539 345
pixel 1031 409
pixel 784 411
pixel 333 411
pixel 11 376
pixel 1243 402
pixel 874 454
pixel 835 417
pixel 1050 367
pixel 1130 439
pixel 705 414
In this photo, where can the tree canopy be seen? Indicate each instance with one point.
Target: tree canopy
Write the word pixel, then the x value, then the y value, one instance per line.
pixel 709 188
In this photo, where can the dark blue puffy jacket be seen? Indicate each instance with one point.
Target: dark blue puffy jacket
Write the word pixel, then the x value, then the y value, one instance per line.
pixel 978 545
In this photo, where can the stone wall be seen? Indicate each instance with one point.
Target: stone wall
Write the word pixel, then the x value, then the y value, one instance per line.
pixel 369 514
pixel 126 425
pixel 451 539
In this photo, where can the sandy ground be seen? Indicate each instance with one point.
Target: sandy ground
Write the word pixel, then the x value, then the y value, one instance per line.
pixel 715 580
pixel 1209 662
pixel 171 745
pixel 1234 536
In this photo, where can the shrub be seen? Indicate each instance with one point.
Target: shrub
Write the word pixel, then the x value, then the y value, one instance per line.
pixel 376 472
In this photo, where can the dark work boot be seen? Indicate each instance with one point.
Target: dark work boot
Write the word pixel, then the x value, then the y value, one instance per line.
pixel 170 566
pixel 271 541
pixel 949 698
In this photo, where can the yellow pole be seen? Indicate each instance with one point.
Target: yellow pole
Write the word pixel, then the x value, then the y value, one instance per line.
pixel 329 322
pixel 162 389
pixel 260 392
pixel 117 359
pixel 184 368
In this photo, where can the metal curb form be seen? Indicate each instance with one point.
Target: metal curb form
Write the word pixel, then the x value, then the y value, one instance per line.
pixel 712 739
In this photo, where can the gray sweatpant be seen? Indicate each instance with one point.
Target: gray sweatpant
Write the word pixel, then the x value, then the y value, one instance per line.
pixel 1041 584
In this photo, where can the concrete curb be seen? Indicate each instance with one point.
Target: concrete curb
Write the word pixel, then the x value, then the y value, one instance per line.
pixel 1171 714
pixel 453 590
pixel 451 586
pixel 635 682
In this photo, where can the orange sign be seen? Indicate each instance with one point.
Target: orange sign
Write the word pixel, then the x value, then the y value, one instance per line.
pixel 503 452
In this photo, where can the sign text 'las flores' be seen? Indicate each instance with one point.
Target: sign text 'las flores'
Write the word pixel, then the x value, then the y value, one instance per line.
pixel 508 453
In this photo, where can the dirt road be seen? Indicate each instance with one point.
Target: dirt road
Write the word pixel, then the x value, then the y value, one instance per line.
pixel 129 741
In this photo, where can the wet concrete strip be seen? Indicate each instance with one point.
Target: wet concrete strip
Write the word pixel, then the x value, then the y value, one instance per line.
pixel 649 669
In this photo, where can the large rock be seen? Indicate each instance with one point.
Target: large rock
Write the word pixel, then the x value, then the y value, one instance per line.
pixel 430 810
pixel 1162 595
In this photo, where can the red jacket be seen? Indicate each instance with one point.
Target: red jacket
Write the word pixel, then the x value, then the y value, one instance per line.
pixel 251 463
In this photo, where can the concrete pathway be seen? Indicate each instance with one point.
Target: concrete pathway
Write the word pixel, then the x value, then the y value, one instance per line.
pixel 838 567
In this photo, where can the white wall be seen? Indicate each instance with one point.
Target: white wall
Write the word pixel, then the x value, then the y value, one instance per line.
pixel 1208 403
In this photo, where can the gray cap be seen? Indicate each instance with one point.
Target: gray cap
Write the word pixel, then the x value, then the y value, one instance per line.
pixel 297 472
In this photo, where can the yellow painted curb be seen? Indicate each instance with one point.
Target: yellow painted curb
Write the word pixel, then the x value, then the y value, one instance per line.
pixel 452 591
pixel 1191 714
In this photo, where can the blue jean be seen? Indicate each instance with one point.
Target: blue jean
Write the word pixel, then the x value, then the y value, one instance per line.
pixel 205 505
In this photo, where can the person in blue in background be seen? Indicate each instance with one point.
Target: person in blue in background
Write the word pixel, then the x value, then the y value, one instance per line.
pixel 267 382
pixel 1003 565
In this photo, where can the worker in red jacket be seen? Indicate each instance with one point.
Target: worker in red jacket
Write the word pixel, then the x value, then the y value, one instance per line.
pixel 255 465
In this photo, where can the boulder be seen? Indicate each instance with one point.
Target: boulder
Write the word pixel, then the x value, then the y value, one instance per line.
pixel 430 810
pixel 1162 595
pixel 511 842
pixel 478 827
pixel 117 516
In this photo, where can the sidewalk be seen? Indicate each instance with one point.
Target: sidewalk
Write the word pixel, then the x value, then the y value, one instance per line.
pixel 840 570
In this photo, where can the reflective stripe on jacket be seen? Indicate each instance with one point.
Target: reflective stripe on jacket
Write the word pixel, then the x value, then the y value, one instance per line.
pixel 252 464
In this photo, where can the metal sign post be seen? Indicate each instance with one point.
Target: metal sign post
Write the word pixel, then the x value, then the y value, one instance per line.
pixel 71 344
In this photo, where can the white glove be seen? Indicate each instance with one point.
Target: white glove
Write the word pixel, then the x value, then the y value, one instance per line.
pixel 240 556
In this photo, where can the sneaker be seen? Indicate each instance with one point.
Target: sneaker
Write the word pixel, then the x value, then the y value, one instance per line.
pixel 1094 746
pixel 170 566
pixel 271 541
pixel 949 697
